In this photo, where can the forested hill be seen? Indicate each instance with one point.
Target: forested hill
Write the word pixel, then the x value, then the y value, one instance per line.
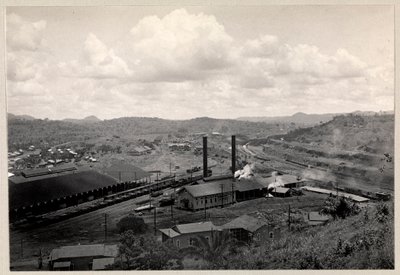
pixel 348 132
pixel 24 132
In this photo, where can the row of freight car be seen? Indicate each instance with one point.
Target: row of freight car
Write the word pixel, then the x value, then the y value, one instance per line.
pixel 29 219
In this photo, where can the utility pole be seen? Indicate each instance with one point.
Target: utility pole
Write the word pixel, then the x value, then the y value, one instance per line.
pixel 155 220
pixel 232 193
pixel 289 217
pixel 205 209
pixel 172 211
pixel 22 248
pixel 222 196
pixel 105 226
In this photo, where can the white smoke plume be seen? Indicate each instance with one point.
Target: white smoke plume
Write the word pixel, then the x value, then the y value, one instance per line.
pixel 277 181
pixel 318 175
pixel 246 172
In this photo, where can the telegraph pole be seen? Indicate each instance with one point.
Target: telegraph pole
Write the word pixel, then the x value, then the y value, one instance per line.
pixel 105 226
pixel 205 209
pixel 172 211
pixel 222 196
pixel 289 217
pixel 22 248
pixel 155 220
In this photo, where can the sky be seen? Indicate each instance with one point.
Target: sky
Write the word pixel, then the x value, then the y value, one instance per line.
pixel 185 62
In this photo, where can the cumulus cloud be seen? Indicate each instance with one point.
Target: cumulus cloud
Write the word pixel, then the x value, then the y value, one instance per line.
pixel 190 63
pixel 97 61
pixel 24 35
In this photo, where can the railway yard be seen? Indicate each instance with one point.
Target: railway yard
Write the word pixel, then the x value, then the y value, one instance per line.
pixel 95 219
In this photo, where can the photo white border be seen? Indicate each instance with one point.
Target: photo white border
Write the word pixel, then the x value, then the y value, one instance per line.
pixel 4 226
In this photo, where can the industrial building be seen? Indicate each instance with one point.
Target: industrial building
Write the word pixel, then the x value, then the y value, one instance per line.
pixel 44 190
pixel 83 257
pixel 206 195
pixel 218 191
pixel 125 172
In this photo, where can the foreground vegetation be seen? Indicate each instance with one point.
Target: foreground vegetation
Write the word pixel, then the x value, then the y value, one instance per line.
pixel 359 239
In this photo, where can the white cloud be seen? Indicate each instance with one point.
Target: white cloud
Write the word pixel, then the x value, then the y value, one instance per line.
pixel 97 61
pixel 189 63
pixel 23 35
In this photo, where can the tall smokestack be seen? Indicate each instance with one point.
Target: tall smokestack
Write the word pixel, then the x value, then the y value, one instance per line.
pixel 205 166
pixel 233 146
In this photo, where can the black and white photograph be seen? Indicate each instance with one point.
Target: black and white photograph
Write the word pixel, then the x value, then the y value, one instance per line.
pixel 200 137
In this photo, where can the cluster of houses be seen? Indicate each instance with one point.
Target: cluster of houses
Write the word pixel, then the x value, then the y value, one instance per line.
pixel 244 229
pixel 179 146
pixel 140 150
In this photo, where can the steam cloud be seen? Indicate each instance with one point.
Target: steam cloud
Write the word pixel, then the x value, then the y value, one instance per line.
pixel 246 172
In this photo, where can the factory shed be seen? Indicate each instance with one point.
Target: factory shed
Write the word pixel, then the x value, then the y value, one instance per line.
pixel 58 190
pixel 125 172
pixel 281 192
pixel 287 181
pixel 248 190
pixel 207 195
pixel 82 257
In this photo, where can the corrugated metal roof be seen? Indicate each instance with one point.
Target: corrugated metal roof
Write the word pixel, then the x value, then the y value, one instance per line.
pixel 212 188
pixel 282 190
pixel 195 227
pixel 170 232
pixel 245 222
pixel 77 251
pixel 247 185
pixel 100 264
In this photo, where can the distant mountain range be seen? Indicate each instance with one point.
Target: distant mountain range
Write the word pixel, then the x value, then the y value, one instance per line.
pixel 21 117
pixel 308 119
pixel 298 118
pixel 88 119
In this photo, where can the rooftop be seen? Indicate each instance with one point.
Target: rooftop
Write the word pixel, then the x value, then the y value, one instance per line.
pixel 126 171
pixel 189 228
pixel 77 251
pixel 282 190
pixel 211 188
pixel 245 222
pixel 194 227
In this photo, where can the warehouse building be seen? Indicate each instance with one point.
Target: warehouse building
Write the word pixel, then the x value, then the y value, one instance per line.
pixel 83 257
pixel 38 191
pixel 206 195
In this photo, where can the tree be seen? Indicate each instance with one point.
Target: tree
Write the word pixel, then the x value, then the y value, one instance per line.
pixel 215 250
pixel 133 223
pixel 340 208
pixel 146 253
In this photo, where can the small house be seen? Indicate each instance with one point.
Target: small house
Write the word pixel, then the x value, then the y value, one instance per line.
pixel 185 235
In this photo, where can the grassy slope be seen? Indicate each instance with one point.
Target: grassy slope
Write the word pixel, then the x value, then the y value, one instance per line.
pixel 350 133
pixel 365 245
